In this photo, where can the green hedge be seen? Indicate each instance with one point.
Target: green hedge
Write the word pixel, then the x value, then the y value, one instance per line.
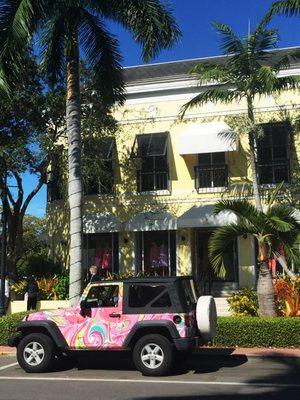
pixel 231 332
pixel 257 332
pixel 8 325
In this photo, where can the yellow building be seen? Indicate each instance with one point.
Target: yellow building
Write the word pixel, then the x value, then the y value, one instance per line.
pixel 153 209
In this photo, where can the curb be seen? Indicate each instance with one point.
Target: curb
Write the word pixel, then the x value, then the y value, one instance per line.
pixel 249 352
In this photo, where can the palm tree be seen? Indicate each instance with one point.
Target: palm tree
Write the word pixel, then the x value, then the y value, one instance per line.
pixel 248 72
pixel 66 28
pixel 275 228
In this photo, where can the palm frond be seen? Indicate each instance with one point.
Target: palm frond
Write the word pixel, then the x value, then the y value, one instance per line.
pixel 18 20
pixel 219 243
pixel 262 40
pixel 274 194
pixel 285 61
pixel 210 73
pixel 281 218
pixel 103 57
pixel 244 210
pixel 286 7
pixel 150 21
pixel 231 43
pixel 215 95
pixel 53 41
pixel 285 83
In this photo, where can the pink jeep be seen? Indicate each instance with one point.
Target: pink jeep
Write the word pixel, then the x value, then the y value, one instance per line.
pixel 154 317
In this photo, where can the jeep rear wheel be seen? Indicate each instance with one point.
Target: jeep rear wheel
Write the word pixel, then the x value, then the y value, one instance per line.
pixel 153 355
pixel 35 352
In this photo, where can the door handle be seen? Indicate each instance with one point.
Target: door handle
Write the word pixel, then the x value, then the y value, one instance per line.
pixel 115 315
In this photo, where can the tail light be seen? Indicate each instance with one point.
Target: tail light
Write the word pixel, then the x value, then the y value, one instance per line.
pixel 187 320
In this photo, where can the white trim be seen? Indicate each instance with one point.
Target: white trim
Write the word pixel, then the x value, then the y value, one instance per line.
pixel 162 86
pixel 162 192
pixel 210 114
pixel 212 189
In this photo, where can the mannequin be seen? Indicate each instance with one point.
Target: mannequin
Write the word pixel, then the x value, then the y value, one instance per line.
pixel 163 258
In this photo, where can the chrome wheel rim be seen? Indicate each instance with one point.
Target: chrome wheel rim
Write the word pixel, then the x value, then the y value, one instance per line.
pixel 33 353
pixel 152 355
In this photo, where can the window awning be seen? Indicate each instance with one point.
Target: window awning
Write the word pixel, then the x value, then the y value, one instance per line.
pixel 97 223
pixel 211 137
pixel 152 144
pixel 152 221
pixel 203 216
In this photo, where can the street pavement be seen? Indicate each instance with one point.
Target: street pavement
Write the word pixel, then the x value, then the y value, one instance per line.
pixel 112 376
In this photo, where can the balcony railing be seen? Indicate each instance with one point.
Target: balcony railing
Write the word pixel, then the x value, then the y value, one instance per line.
pixel 211 176
pixel 274 172
pixel 152 181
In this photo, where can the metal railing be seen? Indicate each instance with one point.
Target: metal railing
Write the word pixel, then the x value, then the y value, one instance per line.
pixel 211 176
pixel 152 181
pixel 274 172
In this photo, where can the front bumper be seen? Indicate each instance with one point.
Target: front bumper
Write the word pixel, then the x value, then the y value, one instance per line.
pixel 189 343
pixel 14 339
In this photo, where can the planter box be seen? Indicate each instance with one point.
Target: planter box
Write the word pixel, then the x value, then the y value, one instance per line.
pixel 21 305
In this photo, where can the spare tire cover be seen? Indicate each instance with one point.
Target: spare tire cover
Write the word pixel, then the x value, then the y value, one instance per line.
pixel 206 314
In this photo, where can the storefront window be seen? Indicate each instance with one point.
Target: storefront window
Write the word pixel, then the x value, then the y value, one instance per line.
pixel 102 250
pixel 156 253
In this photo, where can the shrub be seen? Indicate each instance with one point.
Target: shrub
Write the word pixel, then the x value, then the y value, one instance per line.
pixel 8 326
pixel 62 286
pixel 287 295
pixel 244 302
pixel 257 332
pixel 47 287
pixel 37 264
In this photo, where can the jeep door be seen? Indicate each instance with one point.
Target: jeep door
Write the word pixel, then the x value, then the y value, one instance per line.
pixel 102 328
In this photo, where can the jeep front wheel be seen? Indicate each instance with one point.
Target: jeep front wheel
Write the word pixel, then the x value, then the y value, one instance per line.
pixel 35 352
pixel 153 355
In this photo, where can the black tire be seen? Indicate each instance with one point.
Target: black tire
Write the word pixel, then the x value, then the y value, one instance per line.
pixel 155 342
pixel 45 351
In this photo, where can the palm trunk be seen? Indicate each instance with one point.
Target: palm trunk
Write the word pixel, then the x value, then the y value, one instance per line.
pixel 265 288
pixel 252 154
pixel 74 165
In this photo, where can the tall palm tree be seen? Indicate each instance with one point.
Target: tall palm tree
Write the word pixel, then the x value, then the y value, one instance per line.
pixel 272 229
pixel 248 72
pixel 65 29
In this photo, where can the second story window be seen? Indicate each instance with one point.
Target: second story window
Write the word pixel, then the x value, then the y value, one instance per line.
pixel 273 154
pixel 153 171
pixel 98 169
pixel 211 171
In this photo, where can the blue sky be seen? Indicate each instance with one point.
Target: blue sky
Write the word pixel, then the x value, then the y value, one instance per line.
pixel 199 40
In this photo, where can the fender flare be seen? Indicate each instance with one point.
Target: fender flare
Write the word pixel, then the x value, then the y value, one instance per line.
pixel 26 327
pixel 151 324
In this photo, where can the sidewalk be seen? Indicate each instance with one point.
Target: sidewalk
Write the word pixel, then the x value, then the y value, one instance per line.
pixel 215 351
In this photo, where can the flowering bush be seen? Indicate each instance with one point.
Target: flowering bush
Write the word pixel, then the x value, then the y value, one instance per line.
pixel 244 303
pixel 287 294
